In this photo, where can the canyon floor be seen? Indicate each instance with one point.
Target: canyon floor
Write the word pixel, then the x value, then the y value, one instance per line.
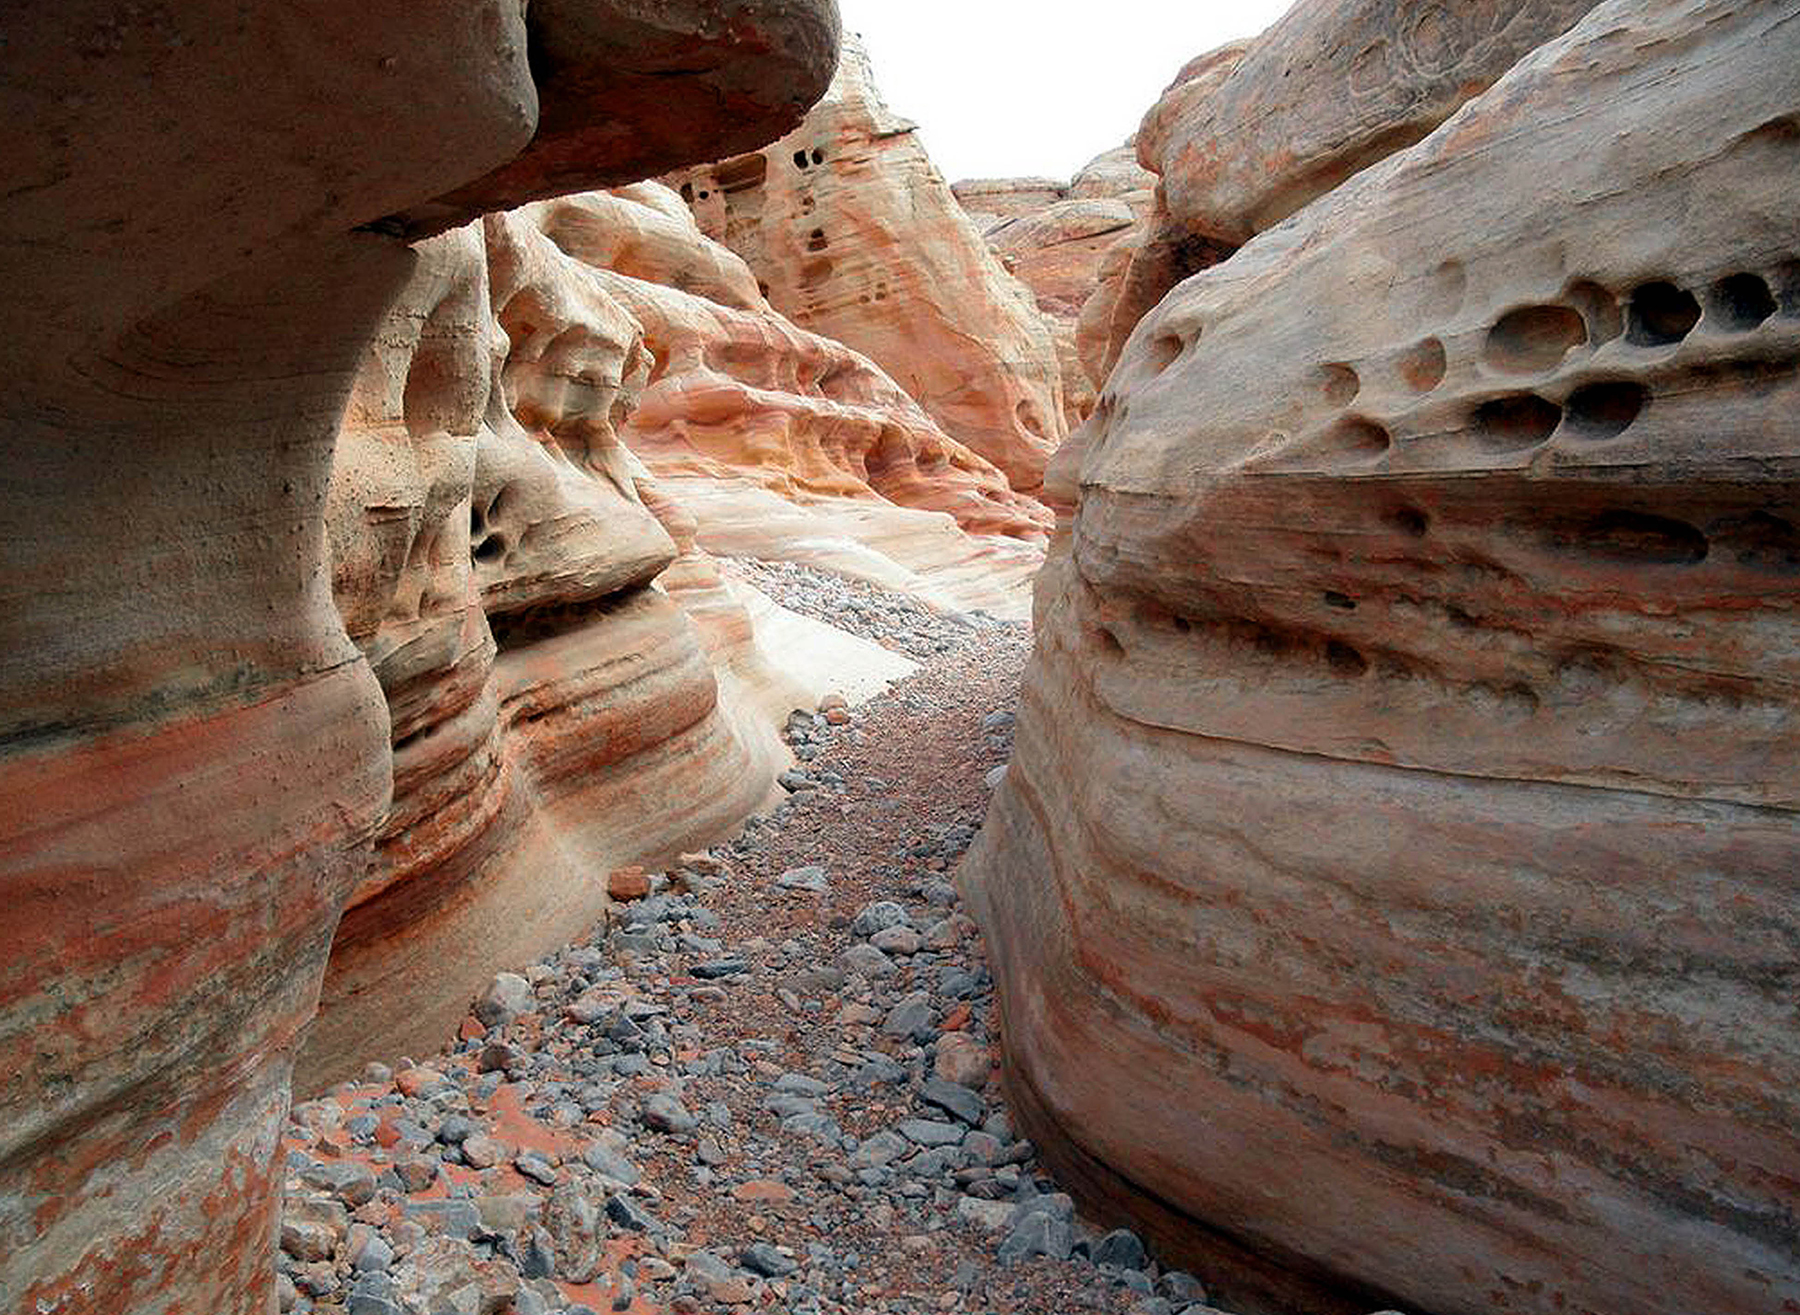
pixel 768 1082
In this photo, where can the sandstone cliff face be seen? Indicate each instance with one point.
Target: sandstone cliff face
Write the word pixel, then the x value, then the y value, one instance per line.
pixel 1248 134
pixel 856 237
pixel 563 399
pixel 1057 241
pixel 195 755
pixel 1395 878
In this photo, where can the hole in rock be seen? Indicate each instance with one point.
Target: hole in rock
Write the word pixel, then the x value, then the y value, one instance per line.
pixel 1343 602
pixel 1357 436
pixel 1533 339
pixel 1598 307
pixel 1605 410
pixel 1344 660
pixel 799 159
pixel 687 192
pixel 1638 536
pixel 1108 642
pixel 1410 521
pixel 818 156
pixel 815 240
pixel 1164 348
pixel 1028 418
pixel 1760 540
pixel 742 173
pixel 704 194
pixel 1508 424
pixel 489 549
pixel 1741 302
pixel 816 271
pixel 1422 365
pixel 1659 314
pixel 1340 383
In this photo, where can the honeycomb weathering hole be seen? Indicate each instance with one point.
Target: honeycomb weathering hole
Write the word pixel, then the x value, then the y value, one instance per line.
pixel 1599 307
pixel 1164 348
pixel 1358 436
pixel 1345 660
pixel 1422 365
pixel 1410 521
pixel 1659 314
pixel 1604 410
pixel 1636 536
pixel 1523 420
pixel 1340 382
pixel 1533 339
pixel 1741 301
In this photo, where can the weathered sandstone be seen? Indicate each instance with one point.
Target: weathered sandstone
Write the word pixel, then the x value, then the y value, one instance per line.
pixel 856 237
pixel 197 245
pixel 512 469
pixel 1395 879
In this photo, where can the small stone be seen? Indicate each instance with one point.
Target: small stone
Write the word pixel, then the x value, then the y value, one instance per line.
pixel 627 884
pixel 833 700
pixel 901 940
pixel 375 1257
pixel 877 917
pixel 880 1149
pixel 811 878
pixel 989 1216
pixel 507 996
pixel 994 776
pixel 534 1166
pixel 483 1152
pixel 416 1174
pixel 761 1258
pixel 961 1059
pixel 711 969
pixel 351 1182
pixel 626 1213
pixel 664 1113
pixel 1037 1234
pixel 957 1099
pixel 866 960
pixel 608 1163
pixel 307 1241
pixel 912 1017
pixel 930 1132
pixel 1122 1248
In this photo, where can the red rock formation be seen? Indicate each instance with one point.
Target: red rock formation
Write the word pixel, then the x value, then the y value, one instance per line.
pixel 1395 878
pixel 1248 134
pixel 194 753
pixel 856 237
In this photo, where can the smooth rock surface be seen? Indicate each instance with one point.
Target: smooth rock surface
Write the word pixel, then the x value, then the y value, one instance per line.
pixel 1395 872
pixel 854 235
pixel 195 756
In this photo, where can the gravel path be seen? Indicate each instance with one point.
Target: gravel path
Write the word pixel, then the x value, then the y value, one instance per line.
pixel 767 1084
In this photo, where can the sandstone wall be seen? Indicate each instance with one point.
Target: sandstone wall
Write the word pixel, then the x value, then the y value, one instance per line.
pixel 193 752
pixel 855 236
pixel 1393 892
pixel 1250 133
pixel 563 399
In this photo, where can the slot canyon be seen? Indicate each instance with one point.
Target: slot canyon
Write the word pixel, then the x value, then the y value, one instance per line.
pixel 672 712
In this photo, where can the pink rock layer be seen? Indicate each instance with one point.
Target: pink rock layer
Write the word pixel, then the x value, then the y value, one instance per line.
pixel 855 236
pixel 193 754
pixel 1393 891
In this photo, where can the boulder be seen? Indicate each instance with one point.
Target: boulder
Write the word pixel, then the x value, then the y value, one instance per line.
pixel 194 754
pixel 1392 891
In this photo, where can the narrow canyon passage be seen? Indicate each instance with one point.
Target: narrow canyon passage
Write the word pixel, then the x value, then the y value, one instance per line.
pixel 769 1078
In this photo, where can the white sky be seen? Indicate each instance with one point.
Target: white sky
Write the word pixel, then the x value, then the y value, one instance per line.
pixel 1012 87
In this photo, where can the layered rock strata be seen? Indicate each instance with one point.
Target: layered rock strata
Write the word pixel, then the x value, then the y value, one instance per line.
pixel 1057 242
pixel 194 753
pixel 855 236
pixel 512 480
pixel 1394 882
pixel 1248 134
